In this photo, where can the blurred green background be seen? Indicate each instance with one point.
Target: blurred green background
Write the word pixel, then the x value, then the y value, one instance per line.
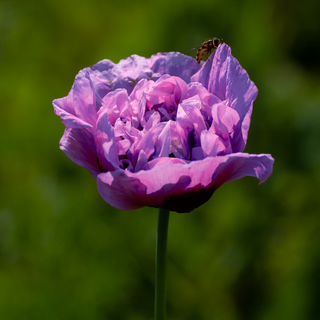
pixel 251 252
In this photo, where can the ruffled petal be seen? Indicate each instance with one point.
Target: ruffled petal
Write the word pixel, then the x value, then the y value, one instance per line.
pixel 84 100
pixel 190 124
pixel 78 145
pixel 124 75
pixel 176 186
pixel 173 63
pixel 106 147
pixel 225 78
pixel 152 143
pixel 117 104
pixel 64 108
pixel 212 145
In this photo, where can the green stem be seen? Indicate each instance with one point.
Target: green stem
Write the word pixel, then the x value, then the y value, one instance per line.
pixel 161 253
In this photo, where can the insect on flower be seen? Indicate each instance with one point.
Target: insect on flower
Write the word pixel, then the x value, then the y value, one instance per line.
pixel 206 48
pixel 158 131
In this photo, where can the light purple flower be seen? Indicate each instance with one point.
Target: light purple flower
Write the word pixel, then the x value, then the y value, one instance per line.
pixel 162 132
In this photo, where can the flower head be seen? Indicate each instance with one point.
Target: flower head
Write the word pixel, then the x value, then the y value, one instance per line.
pixel 162 132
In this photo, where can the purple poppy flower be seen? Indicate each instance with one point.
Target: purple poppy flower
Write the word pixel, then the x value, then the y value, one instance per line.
pixel 162 132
